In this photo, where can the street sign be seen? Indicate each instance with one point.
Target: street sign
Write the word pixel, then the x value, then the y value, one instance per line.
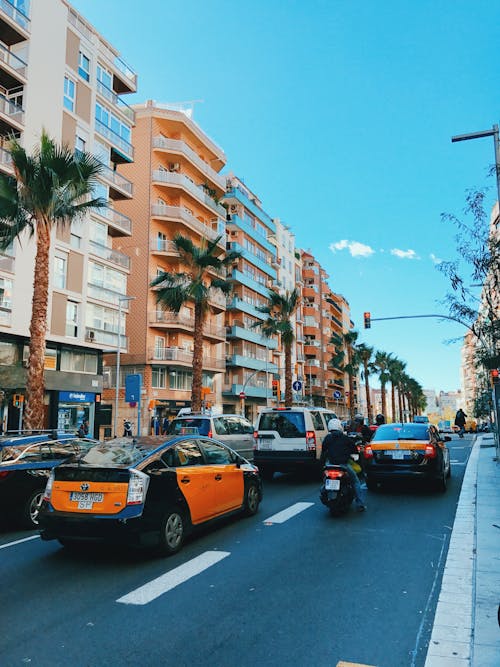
pixel 297 385
pixel 242 394
pixel 133 387
pixel 337 394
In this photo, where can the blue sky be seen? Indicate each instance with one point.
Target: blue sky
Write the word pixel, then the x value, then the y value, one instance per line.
pixel 338 115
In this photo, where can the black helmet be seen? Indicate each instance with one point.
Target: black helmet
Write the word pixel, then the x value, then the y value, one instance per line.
pixel 379 419
pixel 359 418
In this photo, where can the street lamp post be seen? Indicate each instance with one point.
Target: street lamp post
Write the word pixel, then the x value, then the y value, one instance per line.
pixel 121 299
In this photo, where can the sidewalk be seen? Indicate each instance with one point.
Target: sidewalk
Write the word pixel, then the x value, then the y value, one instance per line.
pixel 466 632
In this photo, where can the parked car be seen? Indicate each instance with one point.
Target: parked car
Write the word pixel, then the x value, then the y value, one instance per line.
pixel 235 431
pixel 139 492
pixel 24 470
pixel 407 451
pixel 29 437
pixel 289 438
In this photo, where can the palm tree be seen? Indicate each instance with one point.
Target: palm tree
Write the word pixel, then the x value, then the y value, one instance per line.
pixel 365 354
pixel 195 284
pixel 396 368
pixel 381 365
pixel 345 348
pixel 49 189
pixel 279 310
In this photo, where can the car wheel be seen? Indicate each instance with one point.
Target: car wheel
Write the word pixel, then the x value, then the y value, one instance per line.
pixel 252 500
pixel 441 483
pixel 172 532
pixel 29 514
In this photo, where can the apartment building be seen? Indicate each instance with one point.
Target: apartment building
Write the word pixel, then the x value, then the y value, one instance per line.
pixel 58 73
pixel 178 189
pixel 252 359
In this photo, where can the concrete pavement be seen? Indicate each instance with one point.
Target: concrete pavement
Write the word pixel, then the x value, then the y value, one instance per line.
pixel 466 630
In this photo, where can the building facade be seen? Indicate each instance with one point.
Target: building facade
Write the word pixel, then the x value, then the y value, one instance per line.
pixel 59 74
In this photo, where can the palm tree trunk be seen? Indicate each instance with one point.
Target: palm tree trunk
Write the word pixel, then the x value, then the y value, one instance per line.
pixel 197 358
pixel 367 392
pixel 288 375
pixel 34 414
pixel 384 399
pixel 400 404
pixel 393 402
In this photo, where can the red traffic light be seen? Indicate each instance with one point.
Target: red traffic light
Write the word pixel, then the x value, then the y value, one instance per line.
pixel 367 318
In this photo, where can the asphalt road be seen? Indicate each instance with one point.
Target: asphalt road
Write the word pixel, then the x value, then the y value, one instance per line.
pixel 298 588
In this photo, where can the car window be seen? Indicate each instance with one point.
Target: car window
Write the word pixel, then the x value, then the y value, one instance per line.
pixel 215 453
pixel 189 426
pixel 246 426
pixel 401 432
pixel 286 424
pixel 110 453
pixel 317 421
pixel 187 453
pixel 327 416
pixel 233 425
pixel 220 426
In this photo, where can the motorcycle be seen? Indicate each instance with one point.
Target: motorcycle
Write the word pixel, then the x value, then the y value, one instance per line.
pixel 337 490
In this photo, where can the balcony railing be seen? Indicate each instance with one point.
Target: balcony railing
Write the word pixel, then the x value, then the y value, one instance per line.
pixel 115 138
pixel 263 263
pixel 104 294
pixel 178 213
pixel 163 245
pixel 113 256
pixel 119 64
pixel 167 317
pixel 117 179
pixel 180 180
pixel 116 100
pixel 13 61
pixel 19 17
pixel 116 218
pixel 183 356
pixel 178 146
pixel 11 109
pixel 312 362
pixel 108 338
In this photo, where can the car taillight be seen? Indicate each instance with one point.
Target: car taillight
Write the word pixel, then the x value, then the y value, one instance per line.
pixel 368 452
pixel 430 452
pixel 48 489
pixel 137 487
pixel 209 434
pixel 311 440
pixel 4 474
pixel 334 474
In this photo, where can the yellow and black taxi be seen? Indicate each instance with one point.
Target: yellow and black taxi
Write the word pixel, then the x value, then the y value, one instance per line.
pixel 25 464
pixel 409 450
pixel 145 493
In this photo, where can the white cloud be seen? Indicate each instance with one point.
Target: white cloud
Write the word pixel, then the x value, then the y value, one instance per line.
pixel 436 260
pixel 356 248
pixel 404 254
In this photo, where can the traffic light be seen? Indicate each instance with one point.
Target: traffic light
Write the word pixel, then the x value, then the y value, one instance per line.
pixel 276 385
pixel 17 399
pixel 368 321
pixel 494 376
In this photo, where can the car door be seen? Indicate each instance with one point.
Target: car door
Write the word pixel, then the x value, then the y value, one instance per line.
pixel 195 480
pixel 439 443
pixel 227 476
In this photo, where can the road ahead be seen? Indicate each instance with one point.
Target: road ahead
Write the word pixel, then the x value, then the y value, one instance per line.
pixel 298 588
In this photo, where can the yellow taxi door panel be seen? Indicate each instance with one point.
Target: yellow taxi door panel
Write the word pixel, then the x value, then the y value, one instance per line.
pixel 195 481
pixel 228 487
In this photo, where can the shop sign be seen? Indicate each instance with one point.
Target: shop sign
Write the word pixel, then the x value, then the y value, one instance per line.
pixel 76 397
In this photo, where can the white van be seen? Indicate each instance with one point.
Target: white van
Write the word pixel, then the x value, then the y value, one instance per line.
pixel 289 438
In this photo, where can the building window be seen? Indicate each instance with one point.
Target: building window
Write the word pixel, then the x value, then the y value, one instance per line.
pixel 72 319
pixel 60 271
pixel 80 144
pixel 159 377
pixel 69 93
pixel 75 241
pixel 5 293
pixel 78 362
pixel 84 66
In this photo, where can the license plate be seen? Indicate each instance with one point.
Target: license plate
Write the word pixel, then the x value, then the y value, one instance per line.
pixel 82 497
pixel 399 454
pixel 265 443
pixel 332 484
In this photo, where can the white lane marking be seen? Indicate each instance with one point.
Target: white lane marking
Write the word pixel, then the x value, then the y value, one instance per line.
pixel 458 463
pixel 175 577
pixel 25 539
pixel 291 511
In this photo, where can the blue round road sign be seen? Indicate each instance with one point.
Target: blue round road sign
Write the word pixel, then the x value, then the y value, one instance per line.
pixel 297 385
pixel 337 394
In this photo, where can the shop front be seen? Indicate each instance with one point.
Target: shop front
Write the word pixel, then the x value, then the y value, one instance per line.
pixel 73 408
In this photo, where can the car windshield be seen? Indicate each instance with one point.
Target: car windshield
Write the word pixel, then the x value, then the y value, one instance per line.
pixel 119 452
pixel 189 426
pixel 401 432
pixel 286 424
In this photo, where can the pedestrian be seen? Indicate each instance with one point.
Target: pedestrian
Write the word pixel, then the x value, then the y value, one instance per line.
pixel 127 428
pixel 460 418
pixel 83 430
pixel 165 425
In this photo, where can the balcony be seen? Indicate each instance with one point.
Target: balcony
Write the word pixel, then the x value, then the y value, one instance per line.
pixel 12 113
pixel 124 77
pixel 252 391
pixel 163 246
pixel 120 187
pixel 244 361
pixel 240 304
pixel 120 224
pixel 262 264
pixel 253 233
pixel 167 319
pixel 110 255
pixel 15 26
pixel 239 330
pixel 178 214
pixel 240 277
pixel 13 74
pixel 119 105
pixel 103 294
pixel 314 363
pixel 252 207
pixel 181 148
pixel 108 338
pixel 184 357
pixel 121 147
pixel 177 180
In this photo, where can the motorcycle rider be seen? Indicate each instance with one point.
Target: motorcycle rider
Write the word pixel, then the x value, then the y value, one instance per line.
pixel 357 425
pixel 337 449
pixel 379 420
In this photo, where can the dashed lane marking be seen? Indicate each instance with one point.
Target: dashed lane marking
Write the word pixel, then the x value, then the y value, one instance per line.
pixel 153 589
pixel 288 513
pixel 342 663
pixel 25 539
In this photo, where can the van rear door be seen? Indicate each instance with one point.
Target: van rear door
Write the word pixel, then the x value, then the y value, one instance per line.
pixel 281 430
